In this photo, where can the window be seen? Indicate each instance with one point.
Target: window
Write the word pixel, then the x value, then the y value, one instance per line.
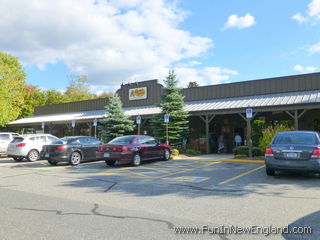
pixel 32 138
pixel 4 137
pixel 122 140
pixel 94 141
pixel 52 139
pixel 42 139
pixel 150 141
pixel 296 138
pixel 84 140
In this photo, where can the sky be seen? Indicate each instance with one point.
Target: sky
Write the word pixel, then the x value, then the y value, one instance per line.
pixel 121 41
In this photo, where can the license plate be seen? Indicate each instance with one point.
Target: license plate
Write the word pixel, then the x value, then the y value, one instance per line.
pixel 106 154
pixel 47 155
pixel 292 155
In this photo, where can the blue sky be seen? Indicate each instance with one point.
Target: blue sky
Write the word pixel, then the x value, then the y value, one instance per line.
pixel 207 41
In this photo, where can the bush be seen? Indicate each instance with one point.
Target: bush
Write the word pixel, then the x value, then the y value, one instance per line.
pixel 175 152
pixel 269 133
pixel 257 128
pixel 244 151
pixel 192 152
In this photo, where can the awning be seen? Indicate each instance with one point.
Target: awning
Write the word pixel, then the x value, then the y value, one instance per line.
pixel 216 105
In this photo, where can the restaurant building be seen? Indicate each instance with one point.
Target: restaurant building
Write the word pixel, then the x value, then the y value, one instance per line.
pixel 214 110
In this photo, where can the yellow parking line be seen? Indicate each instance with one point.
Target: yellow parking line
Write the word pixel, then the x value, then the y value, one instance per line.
pixel 241 160
pixel 241 175
pixel 139 174
pixel 154 169
pixel 185 170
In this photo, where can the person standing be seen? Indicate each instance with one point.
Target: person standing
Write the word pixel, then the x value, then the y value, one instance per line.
pixel 220 143
pixel 238 140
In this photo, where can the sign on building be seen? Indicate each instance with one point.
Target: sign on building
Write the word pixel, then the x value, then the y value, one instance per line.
pixel 249 113
pixel 138 93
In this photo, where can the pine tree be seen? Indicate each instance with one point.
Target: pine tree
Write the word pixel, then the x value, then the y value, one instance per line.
pixel 115 124
pixel 172 104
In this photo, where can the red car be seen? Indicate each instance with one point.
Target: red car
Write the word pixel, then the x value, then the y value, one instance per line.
pixel 133 149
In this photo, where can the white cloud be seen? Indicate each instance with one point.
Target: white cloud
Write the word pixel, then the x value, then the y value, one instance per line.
pixel 300 18
pixel 239 22
pixel 314 48
pixel 314 9
pixel 110 41
pixel 302 69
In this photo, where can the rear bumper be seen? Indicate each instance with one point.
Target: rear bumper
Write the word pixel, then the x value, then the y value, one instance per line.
pixel 117 156
pixel 311 165
pixel 54 156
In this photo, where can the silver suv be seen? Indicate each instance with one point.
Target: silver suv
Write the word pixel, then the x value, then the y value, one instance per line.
pixel 5 139
pixel 28 146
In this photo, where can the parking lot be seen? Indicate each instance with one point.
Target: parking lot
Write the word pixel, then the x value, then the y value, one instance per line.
pixel 193 192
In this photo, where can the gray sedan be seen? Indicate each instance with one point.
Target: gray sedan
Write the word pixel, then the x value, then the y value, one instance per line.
pixel 293 151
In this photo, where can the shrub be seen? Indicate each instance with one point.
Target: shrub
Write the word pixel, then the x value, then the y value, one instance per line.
pixel 192 152
pixel 257 128
pixel 244 151
pixel 175 152
pixel 269 133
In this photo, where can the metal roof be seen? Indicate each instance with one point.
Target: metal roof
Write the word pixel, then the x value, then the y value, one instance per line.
pixel 258 101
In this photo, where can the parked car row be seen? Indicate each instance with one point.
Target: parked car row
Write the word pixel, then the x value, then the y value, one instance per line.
pixel 77 149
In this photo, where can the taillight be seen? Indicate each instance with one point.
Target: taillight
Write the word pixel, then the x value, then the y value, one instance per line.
pixel 120 149
pixel 21 145
pixel 61 148
pixel 125 149
pixel 268 152
pixel 315 153
pixel 100 149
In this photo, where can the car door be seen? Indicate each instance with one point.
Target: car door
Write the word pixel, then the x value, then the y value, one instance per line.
pixel 85 148
pixel 143 147
pixel 40 141
pixel 94 143
pixel 152 148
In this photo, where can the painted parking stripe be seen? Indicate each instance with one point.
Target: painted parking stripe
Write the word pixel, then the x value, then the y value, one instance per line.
pixel 241 175
pixel 241 160
pixel 153 169
pixel 190 179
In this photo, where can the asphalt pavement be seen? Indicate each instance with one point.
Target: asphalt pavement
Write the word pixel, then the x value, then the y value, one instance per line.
pixel 155 200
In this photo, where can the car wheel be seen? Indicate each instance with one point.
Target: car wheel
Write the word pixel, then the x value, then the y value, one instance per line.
pixel 136 161
pixel 270 172
pixel 110 162
pixel 18 159
pixel 52 162
pixel 33 155
pixel 166 155
pixel 75 158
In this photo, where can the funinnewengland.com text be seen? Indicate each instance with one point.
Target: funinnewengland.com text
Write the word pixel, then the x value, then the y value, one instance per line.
pixel 233 229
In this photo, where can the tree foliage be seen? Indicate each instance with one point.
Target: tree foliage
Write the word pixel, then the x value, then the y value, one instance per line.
pixel 193 84
pixel 172 104
pixel 12 88
pixel 33 97
pixel 115 124
pixel 269 133
pixel 78 89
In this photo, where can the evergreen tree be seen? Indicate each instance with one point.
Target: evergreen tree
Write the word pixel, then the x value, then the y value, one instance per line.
pixel 172 104
pixel 115 124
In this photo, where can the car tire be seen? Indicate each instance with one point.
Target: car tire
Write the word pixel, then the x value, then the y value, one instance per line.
pixel 137 159
pixel 110 162
pixel 75 158
pixel 18 159
pixel 270 171
pixel 166 155
pixel 33 155
pixel 52 162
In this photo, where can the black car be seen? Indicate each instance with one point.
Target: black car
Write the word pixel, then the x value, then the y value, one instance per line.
pixel 71 149
pixel 293 151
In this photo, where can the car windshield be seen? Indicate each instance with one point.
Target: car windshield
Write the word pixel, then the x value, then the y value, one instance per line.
pixel 122 140
pixel 4 137
pixel 296 138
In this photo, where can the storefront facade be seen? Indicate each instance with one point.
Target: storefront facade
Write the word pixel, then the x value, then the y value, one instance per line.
pixel 214 110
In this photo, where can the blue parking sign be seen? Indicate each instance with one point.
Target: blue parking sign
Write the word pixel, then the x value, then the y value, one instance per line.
pixel 138 119
pixel 166 118
pixel 249 112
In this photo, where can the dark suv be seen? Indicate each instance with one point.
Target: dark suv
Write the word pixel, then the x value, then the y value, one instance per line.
pixel 71 149
pixel 293 151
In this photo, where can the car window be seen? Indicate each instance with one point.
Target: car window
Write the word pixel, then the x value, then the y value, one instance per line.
pixel 84 140
pixel 296 138
pixel 74 142
pixel 150 140
pixel 32 138
pixel 15 135
pixel 42 139
pixel 52 139
pixel 94 141
pixel 122 140
pixel 141 140
pixel 4 136
pixel 17 139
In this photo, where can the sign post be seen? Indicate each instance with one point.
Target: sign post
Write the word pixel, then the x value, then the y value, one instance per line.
pixel 249 113
pixel 138 121
pixel 95 123
pixel 166 120
pixel 73 124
